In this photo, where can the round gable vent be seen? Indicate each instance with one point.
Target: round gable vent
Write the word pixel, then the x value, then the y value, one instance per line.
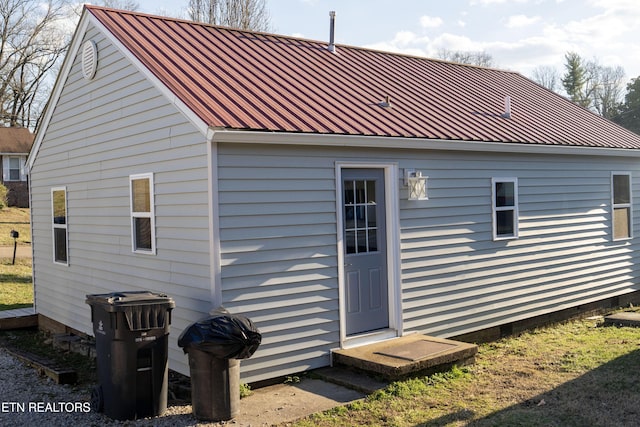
pixel 89 59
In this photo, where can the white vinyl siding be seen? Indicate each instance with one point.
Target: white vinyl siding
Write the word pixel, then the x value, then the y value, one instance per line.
pixel 94 143
pixel 143 220
pixel 621 206
pixel 504 197
pixel 279 260
pixel 279 254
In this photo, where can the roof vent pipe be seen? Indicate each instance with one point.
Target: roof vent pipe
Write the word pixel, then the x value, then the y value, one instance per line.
pixel 332 28
pixel 507 107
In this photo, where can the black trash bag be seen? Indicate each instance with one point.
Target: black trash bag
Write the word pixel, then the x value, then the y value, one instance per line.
pixel 223 335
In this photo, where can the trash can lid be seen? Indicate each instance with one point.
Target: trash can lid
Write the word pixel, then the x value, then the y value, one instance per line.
pixel 131 298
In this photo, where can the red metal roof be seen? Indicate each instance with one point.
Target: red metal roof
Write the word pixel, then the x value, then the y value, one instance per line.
pixel 257 81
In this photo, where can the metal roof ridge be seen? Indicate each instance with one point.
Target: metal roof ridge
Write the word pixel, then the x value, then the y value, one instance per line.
pixel 299 39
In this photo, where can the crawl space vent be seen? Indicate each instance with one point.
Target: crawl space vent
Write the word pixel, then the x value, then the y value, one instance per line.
pixel 89 59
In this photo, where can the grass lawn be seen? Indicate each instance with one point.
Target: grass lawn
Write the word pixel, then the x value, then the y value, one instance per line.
pixel 575 374
pixel 16 290
pixel 14 219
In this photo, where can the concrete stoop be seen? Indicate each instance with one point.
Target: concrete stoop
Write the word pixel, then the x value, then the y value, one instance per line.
pixel 625 318
pixel 402 357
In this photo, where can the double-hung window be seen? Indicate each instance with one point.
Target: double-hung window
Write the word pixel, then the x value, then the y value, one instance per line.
pixel 14 168
pixel 504 196
pixel 621 205
pixel 59 223
pixel 142 214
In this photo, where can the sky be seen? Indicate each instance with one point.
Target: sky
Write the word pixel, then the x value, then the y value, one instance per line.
pixel 520 35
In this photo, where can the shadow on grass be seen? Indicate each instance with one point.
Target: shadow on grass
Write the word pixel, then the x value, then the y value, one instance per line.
pixel 15 278
pixel 5 307
pixel 606 396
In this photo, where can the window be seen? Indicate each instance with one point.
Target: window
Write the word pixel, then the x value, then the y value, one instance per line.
pixel 59 222
pixel 505 208
pixel 142 213
pixel 621 205
pixel 14 169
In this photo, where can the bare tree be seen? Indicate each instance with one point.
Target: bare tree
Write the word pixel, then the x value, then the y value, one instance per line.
pixel 121 4
pixel 32 42
pixel 480 58
pixel 607 87
pixel 547 76
pixel 243 14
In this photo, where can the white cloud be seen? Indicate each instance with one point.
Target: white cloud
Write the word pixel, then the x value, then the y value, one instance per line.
pixel 456 43
pixel 430 21
pixel 486 2
pixel 490 2
pixel 605 30
pixel 405 42
pixel 519 21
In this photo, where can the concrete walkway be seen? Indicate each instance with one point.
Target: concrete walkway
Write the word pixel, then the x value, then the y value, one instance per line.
pixel 22 251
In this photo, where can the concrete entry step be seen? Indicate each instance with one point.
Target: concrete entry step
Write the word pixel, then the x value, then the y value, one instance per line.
pixel 405 356
pixel 623 319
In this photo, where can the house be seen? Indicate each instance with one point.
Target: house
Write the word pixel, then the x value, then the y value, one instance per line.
pixel 15 144
pixel 334 196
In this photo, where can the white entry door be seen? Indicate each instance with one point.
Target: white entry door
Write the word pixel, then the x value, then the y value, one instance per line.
pixel 365 250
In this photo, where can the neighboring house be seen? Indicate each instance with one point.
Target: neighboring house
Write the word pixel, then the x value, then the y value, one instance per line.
pixel 275 177
pixel 15 144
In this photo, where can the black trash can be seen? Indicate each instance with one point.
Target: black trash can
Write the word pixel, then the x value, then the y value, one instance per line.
pixel 131 330
pixel 214 345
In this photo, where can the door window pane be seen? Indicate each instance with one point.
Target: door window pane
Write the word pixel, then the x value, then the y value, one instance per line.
pixel 360 216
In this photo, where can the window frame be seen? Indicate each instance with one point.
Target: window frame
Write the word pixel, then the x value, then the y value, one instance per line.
pixel 57 226
pixel 628 205
pixel 10 169
pixel 135 214
pixel 495 209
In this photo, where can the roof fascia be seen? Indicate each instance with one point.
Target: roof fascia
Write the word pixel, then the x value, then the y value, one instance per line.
pixel 360 141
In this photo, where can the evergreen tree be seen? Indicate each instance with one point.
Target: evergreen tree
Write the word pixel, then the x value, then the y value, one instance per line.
pixel 575 79
pixel 629 115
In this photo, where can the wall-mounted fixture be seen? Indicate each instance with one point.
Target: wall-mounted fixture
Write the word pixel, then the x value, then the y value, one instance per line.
pixel 416 184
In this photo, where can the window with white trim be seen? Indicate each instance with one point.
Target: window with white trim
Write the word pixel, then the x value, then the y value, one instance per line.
pixel 504 195
pixel 14 168
pixel 621 205
pixel 142 213
pixel 59 225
